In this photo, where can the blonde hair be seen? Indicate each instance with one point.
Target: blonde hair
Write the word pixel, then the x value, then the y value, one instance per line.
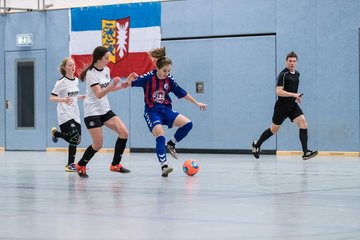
pixel 63 65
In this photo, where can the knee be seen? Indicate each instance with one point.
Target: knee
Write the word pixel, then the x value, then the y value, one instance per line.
pixel 274 129
pixel 97 146
pixel 75 138
pixel 122 132
pixel 125 134
pixel 188 126
pixel 303 125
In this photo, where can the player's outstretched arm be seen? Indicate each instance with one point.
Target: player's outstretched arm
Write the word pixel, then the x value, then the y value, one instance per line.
pixel 202 106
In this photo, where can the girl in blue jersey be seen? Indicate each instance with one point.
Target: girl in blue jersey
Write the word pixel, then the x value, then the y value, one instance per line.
pixel 157 85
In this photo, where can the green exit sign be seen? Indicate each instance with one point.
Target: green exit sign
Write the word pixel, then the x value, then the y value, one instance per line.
pixel 24 40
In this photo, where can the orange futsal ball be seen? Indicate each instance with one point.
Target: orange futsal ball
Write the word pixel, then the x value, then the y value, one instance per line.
pixel 191 167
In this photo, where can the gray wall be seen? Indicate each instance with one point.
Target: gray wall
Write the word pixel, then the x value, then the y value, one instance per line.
pixel 236 47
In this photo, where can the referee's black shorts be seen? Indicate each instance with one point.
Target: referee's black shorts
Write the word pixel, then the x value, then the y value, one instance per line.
pixel 285 110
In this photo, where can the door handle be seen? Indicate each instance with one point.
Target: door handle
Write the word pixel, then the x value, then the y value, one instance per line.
pixel 7 104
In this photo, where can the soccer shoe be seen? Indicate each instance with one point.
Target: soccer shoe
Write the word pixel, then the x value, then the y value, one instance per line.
pixel 53 131
pixel 165 170
pixel 309 154
pixel 172 151
pixel 81 170
pixel 119 168
pixel 70 168
pixel 255 150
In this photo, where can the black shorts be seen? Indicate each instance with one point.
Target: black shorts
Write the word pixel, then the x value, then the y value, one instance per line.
pixel 98 120
pixel 283 111
pixel 70 126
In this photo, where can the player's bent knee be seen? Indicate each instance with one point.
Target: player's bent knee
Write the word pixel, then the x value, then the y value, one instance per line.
pixel 188 126
pixel 75 138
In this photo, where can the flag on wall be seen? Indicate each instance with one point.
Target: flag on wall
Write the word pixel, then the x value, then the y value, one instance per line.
pixel 127 30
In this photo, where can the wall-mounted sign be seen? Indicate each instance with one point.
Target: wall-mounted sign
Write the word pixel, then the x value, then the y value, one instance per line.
pixel 24 40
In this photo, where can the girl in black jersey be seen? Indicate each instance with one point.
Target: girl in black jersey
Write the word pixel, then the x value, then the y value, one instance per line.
pixel 66 94
pixel 287 107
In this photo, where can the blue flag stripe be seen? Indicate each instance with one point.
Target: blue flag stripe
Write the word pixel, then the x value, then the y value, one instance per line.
pixel 141 15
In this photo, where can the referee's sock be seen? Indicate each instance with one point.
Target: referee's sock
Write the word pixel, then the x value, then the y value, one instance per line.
pixel 303 135
pixel 264 136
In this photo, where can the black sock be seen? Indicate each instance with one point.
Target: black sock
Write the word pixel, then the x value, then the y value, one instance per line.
pixel 71 154
pixel 64 136
pixel 303 134
pixel 88 154
pixel 119 150
pixel 171 143
pixel 264 136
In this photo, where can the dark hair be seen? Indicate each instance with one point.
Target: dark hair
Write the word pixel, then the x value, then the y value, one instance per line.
pixel 160 54
pixel 291 55
pixel 157 52
pixel 97 54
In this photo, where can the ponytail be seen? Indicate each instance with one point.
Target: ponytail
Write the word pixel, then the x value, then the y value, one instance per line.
pixel 97 54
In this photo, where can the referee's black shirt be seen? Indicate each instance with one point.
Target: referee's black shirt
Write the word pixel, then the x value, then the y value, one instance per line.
pixel 290 82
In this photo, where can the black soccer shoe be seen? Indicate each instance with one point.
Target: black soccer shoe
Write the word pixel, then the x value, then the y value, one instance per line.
pixel 255 150
pixel 309 154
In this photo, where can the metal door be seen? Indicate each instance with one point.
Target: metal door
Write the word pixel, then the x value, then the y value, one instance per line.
pixel 25 100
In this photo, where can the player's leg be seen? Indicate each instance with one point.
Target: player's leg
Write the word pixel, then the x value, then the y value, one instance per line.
pixel 94 126
pixel 72 131
pixel 184 127
pixel 154 122
pixel 158 132
pixel 68 132
pixel 119 127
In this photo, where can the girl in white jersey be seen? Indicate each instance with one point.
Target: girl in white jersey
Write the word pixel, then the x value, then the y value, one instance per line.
pixel 66 94
pixel 97 111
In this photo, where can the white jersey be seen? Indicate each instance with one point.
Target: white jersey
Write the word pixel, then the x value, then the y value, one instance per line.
pixel 66 87
pixel 92 105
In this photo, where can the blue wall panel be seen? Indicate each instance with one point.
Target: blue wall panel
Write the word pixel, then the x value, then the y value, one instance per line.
pixel 243 17
pixel 2 85
pixel 225 17
pixel 338 75
pixel 18 23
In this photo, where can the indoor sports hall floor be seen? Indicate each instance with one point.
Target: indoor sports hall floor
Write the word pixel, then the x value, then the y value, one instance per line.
pixel 232 197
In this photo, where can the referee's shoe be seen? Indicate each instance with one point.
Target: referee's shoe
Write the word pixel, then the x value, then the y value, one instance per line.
pixel 309 154
pixel 255 150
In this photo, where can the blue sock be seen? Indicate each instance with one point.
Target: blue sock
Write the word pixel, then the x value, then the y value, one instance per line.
pixel 160 150
pixel 183 131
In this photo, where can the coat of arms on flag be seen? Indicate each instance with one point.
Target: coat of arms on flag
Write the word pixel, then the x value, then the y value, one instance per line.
pixel 129 31
pixel 115 37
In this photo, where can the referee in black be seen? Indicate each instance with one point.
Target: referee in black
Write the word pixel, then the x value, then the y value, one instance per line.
pixel 287 107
